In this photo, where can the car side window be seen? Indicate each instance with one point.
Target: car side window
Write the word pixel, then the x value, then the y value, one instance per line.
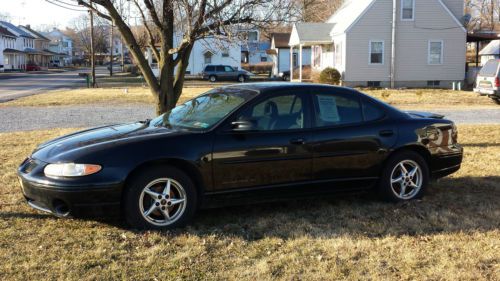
pixel 284 112
pixel 372 112
pixel 219 68
pixel 333 110
pixel 228 69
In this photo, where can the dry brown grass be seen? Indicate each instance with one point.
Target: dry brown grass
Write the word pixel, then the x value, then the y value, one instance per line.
pixel 452 234
pixel 416 99
pixel 93 96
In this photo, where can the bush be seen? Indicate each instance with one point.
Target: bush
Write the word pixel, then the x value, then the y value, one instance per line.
pixel 330 76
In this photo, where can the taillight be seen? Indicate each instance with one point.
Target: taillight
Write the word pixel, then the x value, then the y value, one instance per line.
pixel 497 82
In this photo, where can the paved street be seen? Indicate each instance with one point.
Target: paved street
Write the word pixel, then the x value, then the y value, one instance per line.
pixel 35 118
pixel 18 85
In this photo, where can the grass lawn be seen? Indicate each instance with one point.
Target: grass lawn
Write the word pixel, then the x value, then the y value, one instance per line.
pixel 452 234
pixel 405 99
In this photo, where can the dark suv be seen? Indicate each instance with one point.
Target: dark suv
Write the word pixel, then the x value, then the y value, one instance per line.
pixel 224 72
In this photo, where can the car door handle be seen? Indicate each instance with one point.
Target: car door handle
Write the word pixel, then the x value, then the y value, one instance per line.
pixel 386 133
pixel 298 141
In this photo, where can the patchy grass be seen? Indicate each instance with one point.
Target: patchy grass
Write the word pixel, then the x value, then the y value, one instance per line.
pixel 405 99
pixel 452 234
pixel 93 96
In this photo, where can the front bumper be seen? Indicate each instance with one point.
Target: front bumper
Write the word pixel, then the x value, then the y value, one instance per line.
pixel 71 199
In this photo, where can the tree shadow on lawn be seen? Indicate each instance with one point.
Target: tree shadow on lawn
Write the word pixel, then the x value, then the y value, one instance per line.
pixel 451 205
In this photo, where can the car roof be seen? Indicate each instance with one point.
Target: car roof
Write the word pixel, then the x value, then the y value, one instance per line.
pixel 265 87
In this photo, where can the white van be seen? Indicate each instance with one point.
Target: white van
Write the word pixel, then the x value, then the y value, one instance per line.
pixel 488 80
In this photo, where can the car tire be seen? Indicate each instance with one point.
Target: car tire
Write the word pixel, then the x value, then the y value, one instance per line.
pixel 400 181
pixel 212 78
pixel 147 206
pixel 241 78
pixel 286 78
pixel 497 101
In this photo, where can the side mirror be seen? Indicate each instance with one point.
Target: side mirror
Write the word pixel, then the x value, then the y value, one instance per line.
pixel 242 126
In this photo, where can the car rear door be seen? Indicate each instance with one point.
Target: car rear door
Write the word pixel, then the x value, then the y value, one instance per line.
pixel 351 138
pixel 275 152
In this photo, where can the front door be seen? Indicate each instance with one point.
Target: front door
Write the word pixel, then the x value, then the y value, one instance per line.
pixel 275 151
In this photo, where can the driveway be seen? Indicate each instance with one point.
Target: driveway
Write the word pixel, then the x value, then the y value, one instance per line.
pixel 13 86
pixel 80 116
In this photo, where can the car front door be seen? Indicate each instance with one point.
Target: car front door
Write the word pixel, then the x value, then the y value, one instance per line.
pixel 274 151
pixel 351 138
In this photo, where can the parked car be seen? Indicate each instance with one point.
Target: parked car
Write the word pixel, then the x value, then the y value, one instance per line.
pixel 32 67
pixel 488 80
pixel 240 144
pixel 285 75
pixel 225 72
pixel 2 69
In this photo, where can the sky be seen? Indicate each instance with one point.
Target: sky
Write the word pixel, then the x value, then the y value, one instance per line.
pixel 39 14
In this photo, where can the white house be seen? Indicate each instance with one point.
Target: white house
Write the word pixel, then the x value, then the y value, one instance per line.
pixel 7 48
pixel 62 45
pixel 490 51
pixel 21 51
pixel 206 51
pixel 425 46
pixel 279 53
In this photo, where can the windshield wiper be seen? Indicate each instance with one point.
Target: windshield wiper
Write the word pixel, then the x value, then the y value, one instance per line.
pixel 145 122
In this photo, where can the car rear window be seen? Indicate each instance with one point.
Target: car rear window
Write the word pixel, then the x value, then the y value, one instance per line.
pixel 489 69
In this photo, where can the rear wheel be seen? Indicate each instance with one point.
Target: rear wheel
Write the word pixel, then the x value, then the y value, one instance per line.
pixel 495 100
pixel 159 198
pixel 212 78
pixel 405 177
pixel 241 78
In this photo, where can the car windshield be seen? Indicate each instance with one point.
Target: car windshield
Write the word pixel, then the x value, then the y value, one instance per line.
pixel 204 111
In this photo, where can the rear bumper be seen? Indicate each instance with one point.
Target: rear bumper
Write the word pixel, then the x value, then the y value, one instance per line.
pixel 487 92
pixel 80 201
pixel 446 164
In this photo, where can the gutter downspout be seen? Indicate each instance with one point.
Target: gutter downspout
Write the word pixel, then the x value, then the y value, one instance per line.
pixel 393 44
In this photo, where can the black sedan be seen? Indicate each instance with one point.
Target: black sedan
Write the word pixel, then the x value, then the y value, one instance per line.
pixel 238 144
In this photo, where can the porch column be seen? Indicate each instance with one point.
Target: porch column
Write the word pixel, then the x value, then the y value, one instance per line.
pixel 300 63
pixel 291 63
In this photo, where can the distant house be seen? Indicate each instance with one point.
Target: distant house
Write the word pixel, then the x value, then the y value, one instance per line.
pixel 429 47
pixel 490 51
pixel 8 50
pixel 253 50
pixel 279 52
pixel 206 51
pixel 40 53
pixel 62 47
pixel 21 51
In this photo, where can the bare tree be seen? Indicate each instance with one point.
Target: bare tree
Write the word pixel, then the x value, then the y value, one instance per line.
pixel 190 20
pixel 81 34
pixel 317 10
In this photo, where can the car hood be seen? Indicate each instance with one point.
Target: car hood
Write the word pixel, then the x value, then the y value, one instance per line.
pixel 107 135
pixel 422 114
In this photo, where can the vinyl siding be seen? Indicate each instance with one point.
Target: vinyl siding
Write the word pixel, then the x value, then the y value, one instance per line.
pixel 456 7
pixel 432 22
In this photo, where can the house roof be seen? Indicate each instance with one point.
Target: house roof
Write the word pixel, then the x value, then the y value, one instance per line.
pixel 281 39
pixel 5 32
pixel 16 29
pixel 12 51
pixel 312 33
pixel 35 33
pixel 493 48
pixel 348 14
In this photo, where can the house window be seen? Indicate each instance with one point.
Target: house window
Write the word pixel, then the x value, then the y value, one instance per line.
pixel 225 53
pixel 263 59
pixel 376 52
pixel 338 54
pixel 252 36
pixel 208 57
pixel 434 83
pixel 407 9
pixel 373 84
pixel 435 55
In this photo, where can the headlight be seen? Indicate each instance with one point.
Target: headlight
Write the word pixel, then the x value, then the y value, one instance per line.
pixel 70 170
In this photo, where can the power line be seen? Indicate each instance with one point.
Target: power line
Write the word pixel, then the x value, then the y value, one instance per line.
pixel 72 9
pixel 69 4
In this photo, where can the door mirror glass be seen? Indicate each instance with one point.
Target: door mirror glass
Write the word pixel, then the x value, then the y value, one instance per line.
pixel 242 126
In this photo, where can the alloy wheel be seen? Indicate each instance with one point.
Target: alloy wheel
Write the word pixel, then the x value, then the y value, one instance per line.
pixel 406 179
pixel 162 202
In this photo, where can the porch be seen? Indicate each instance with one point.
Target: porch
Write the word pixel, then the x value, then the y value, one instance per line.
pixel 14 59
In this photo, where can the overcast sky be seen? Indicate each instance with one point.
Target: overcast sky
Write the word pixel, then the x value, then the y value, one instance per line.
pixel 39 13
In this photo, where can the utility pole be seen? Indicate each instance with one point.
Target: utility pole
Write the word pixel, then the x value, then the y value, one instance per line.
pixel 111 52
pixel 92 51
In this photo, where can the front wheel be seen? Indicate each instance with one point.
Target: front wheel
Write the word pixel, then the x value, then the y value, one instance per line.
pixel 405 177
pixel 159 198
